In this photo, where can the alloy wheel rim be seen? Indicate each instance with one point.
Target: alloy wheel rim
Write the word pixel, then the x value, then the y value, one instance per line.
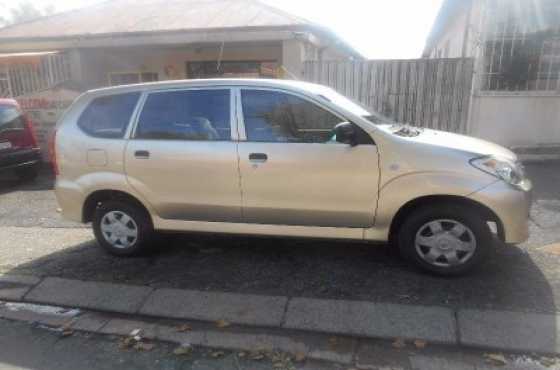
pixel 119 229
pixel 445 243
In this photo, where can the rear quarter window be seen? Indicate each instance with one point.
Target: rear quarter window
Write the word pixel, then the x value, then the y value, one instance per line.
pixel 108 116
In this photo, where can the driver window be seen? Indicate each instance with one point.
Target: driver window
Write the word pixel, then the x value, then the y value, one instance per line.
pixel 186 115
pixel 272 116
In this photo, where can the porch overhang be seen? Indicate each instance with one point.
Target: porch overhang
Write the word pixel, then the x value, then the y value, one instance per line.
pixel 18 45
pixel 24 58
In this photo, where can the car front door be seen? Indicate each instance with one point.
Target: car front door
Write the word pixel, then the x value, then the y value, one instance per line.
pixel 292 170
pixel 182 156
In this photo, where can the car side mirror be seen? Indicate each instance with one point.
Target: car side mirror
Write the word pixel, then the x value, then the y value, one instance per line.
pixel 345 133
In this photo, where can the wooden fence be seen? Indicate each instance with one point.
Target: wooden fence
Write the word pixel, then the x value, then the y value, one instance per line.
pixel 433 93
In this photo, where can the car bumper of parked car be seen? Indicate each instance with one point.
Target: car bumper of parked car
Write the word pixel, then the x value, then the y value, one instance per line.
pixel 511 205
pixel 70 200
pixel 20 159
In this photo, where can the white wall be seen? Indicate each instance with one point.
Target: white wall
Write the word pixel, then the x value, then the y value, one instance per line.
pixel 453 36
pixel 517 121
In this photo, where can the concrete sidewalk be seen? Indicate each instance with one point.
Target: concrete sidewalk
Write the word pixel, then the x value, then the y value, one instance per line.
pixel 502 330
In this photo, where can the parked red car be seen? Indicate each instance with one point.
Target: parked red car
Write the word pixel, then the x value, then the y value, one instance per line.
pixel 19 150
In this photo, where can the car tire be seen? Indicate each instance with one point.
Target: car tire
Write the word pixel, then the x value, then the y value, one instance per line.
pixel 122 228
pixel 445 239
pixel 28 173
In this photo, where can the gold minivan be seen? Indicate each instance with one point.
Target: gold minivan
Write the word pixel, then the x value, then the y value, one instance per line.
pixel 283 158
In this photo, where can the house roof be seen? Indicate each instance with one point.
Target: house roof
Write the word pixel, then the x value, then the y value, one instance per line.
pixel 448 10
pixel 136 16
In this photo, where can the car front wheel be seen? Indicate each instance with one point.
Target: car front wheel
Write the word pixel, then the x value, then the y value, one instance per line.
pixel 445 239
pixel 121 228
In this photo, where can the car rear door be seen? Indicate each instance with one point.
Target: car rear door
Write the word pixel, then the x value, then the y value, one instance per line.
pixel 182 155
pixel 294 173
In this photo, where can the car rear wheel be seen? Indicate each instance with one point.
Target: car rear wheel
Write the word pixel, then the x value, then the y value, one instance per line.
pixel 445 239
pixel 122 229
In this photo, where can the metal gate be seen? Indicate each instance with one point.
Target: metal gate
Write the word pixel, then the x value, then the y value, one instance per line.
pixel 433 93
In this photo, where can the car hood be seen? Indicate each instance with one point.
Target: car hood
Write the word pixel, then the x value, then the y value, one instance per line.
pixel 448 140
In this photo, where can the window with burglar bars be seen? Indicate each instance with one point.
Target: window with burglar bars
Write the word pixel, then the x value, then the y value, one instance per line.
pixel 20 78
pixel 5 91
pixel 522 45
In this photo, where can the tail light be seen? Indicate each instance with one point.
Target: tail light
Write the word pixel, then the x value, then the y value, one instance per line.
pixel 52 153
pixel 30 139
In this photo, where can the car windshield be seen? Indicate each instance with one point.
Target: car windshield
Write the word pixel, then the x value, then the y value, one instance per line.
pixel 352 106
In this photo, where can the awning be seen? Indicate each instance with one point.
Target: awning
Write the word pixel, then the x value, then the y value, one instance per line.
pixel 24 58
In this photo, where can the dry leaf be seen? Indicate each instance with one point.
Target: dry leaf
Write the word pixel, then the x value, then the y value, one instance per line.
pixel 135 332
pixel 548 361
pixel 300 356
pixel 256 356
pixel 399 343
pixel 217 354
pixel 126 343
pixel 183 350
pixel 67 333
pixel 241 354
pixel 420 344
pixel 183 328
pixel 496 359
pixel 278 365
pixel 141 346
pixel 222 323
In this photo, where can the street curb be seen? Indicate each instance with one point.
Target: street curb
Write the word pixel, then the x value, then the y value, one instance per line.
pixel 503 330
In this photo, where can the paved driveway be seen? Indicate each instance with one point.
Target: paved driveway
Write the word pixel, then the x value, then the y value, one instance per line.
pixel 34 240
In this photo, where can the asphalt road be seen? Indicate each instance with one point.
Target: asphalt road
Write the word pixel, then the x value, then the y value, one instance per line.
pixel 34 240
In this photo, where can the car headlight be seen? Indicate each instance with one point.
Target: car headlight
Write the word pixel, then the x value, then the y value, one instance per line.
pixel 511 172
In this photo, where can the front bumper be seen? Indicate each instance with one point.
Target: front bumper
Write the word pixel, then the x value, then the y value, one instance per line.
pixel 512 206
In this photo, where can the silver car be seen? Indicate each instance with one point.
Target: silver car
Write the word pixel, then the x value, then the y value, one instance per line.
pixel 284 158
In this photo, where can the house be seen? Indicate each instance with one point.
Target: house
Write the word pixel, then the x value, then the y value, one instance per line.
pixel 516 48
pixel 129 41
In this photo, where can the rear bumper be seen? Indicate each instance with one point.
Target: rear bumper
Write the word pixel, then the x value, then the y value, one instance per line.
pixel 512 206
pixel 70 198
pixel 19 159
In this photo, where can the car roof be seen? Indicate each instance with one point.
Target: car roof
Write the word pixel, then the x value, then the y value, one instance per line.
pixel 214 82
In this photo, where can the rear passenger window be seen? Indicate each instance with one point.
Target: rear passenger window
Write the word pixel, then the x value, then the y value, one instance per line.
pixel 108 116
pixel 186 115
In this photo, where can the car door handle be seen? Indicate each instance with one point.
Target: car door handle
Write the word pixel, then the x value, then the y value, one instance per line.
pixel 258 157
pixel 142 154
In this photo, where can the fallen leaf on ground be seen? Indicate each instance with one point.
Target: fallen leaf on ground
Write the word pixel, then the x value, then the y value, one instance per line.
pixel 183 350
pixel 183 328
pixel 333 342
pixel 256 356
pixel 496 359
pixel 399 343
pixel 126 343
pixel 300 356
pixel 135 332
pixel 222 323
pixel 217 354
pixel 67 332
pixel 420 344
pixel 278 365
pixel 141 346
pixel 548 361
pixel 241 354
